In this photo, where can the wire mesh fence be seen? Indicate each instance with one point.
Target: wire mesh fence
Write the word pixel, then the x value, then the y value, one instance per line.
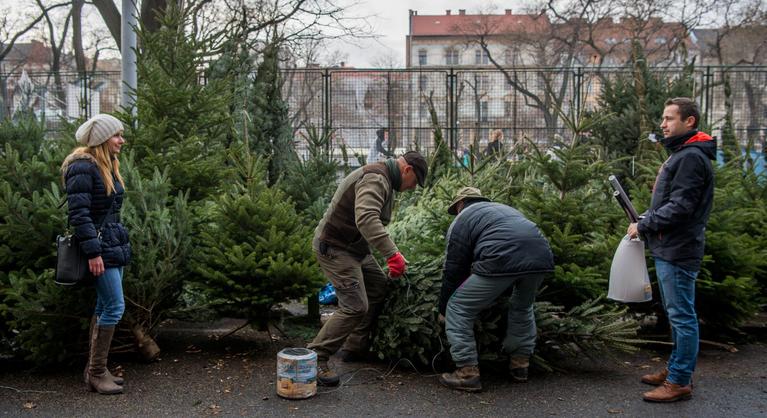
pixel 375 113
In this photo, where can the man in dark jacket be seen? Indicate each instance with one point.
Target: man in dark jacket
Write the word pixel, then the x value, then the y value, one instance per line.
pixel 491 248
pixel 675 231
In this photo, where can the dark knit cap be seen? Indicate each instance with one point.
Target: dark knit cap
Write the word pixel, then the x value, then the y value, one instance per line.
pixel 416 160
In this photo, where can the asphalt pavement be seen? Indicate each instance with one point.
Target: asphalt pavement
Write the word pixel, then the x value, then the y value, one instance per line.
pixel 200 375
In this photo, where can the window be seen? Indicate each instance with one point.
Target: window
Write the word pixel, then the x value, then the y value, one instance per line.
pixel 660 40
pixel 611 41
pixel 483 110
pixel 483 82
pixel 421 57
pixel 451 56
pixel 423 112
pixel 480 57
pixel 423 82
pixel 507 108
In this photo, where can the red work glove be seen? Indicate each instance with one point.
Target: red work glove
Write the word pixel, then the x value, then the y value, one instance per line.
pixel 396 265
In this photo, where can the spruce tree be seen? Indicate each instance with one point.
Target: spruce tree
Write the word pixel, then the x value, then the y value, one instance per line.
pixel 183 117
pixel 272 133
pixel 254 251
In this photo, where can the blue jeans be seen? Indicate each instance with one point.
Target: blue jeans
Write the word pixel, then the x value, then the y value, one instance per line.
pixel 476 294
pixel 110 303
pixel 677 291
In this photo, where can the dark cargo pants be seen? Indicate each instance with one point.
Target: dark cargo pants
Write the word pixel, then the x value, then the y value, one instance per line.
pixel 476 294
pixel 361 290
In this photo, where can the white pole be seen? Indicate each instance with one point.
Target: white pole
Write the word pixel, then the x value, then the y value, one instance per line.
pixel 128 50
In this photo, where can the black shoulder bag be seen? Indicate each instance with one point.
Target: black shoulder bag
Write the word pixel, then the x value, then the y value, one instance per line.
pixel 71 262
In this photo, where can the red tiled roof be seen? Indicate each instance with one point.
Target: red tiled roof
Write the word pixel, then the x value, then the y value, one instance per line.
pixel 457 24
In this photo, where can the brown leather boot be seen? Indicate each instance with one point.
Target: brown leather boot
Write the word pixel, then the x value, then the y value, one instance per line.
pixel 118 380
pixel 668 392
pixel 326 376
pixel 655 379
pixel 464 378
pixel 98 380
pixel 518 366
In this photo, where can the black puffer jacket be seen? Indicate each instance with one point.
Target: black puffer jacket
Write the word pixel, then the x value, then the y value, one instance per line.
pixel 491 239
pixel 675 225
pixel 88 205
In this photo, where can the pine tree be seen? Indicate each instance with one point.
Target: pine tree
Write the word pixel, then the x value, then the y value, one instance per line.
pixel 271 129
pixel 183 120
pixel 310 183
pixel 254 251
pixel 160 227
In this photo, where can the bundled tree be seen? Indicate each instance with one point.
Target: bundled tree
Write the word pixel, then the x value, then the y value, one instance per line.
pixel 254 250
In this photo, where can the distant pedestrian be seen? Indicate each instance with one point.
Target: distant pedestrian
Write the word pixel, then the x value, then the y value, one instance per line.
pixel 491 249
pixel 495 145
pixel 95 192
pixel 675 231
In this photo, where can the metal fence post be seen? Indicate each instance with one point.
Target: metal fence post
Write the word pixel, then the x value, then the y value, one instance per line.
pixel 326 123
pixel 451 114
pixel 708 93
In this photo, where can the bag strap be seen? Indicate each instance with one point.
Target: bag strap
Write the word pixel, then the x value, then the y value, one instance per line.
pixel 109 212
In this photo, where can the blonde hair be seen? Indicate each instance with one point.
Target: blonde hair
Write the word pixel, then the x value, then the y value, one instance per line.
pixel 496 134
pixel 106 164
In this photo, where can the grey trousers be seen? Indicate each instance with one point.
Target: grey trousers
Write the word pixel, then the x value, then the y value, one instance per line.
pixel 475 295
pixel 361 290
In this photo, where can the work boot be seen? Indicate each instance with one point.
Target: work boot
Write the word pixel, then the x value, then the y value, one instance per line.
pixel 464 378
pixel 518 366
pixel 325 376
pixel 118 380
pixel 669 392
pixel 655 379
pixel 98 380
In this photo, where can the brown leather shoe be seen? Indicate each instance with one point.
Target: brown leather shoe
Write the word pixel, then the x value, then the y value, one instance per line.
pixel 464 378
pixel 669 392
pixel 326 376
pixel 655 379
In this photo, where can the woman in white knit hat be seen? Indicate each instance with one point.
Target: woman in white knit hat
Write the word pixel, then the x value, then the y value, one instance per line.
pixel 95 191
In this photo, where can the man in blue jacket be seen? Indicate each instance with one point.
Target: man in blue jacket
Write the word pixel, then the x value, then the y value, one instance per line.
pixel 491 249
pixel 675 231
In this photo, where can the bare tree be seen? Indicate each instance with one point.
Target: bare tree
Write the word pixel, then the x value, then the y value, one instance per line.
pixel 13 28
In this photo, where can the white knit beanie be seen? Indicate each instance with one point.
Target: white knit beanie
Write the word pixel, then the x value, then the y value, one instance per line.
pixel 98 129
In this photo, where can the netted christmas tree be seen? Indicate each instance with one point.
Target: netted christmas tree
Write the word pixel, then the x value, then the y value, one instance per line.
pixel 254 250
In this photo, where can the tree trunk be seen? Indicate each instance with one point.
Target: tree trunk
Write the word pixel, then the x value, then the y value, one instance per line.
pixel 111 17
pixel 77 34
pixel 145 344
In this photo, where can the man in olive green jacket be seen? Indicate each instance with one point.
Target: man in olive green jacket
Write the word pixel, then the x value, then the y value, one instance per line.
pixel 355 222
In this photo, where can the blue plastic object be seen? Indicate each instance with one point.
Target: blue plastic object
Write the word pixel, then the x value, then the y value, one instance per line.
pixel 328 295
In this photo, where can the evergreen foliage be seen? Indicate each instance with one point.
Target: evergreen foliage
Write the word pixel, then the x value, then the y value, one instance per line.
pixel 160 227
pixel 184 123
pixel 620 131
pixel 310 183
pixel 272 133
pixel 254 250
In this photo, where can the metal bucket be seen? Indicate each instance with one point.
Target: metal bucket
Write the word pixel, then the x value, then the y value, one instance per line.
pixel 296 373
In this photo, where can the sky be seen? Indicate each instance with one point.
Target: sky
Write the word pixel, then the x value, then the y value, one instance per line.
pixel 389 19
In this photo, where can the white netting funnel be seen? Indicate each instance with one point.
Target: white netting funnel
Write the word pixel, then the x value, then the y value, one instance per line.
pixel 629 281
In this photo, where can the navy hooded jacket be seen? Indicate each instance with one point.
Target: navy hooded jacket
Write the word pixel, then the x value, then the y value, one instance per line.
pixel 89 205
